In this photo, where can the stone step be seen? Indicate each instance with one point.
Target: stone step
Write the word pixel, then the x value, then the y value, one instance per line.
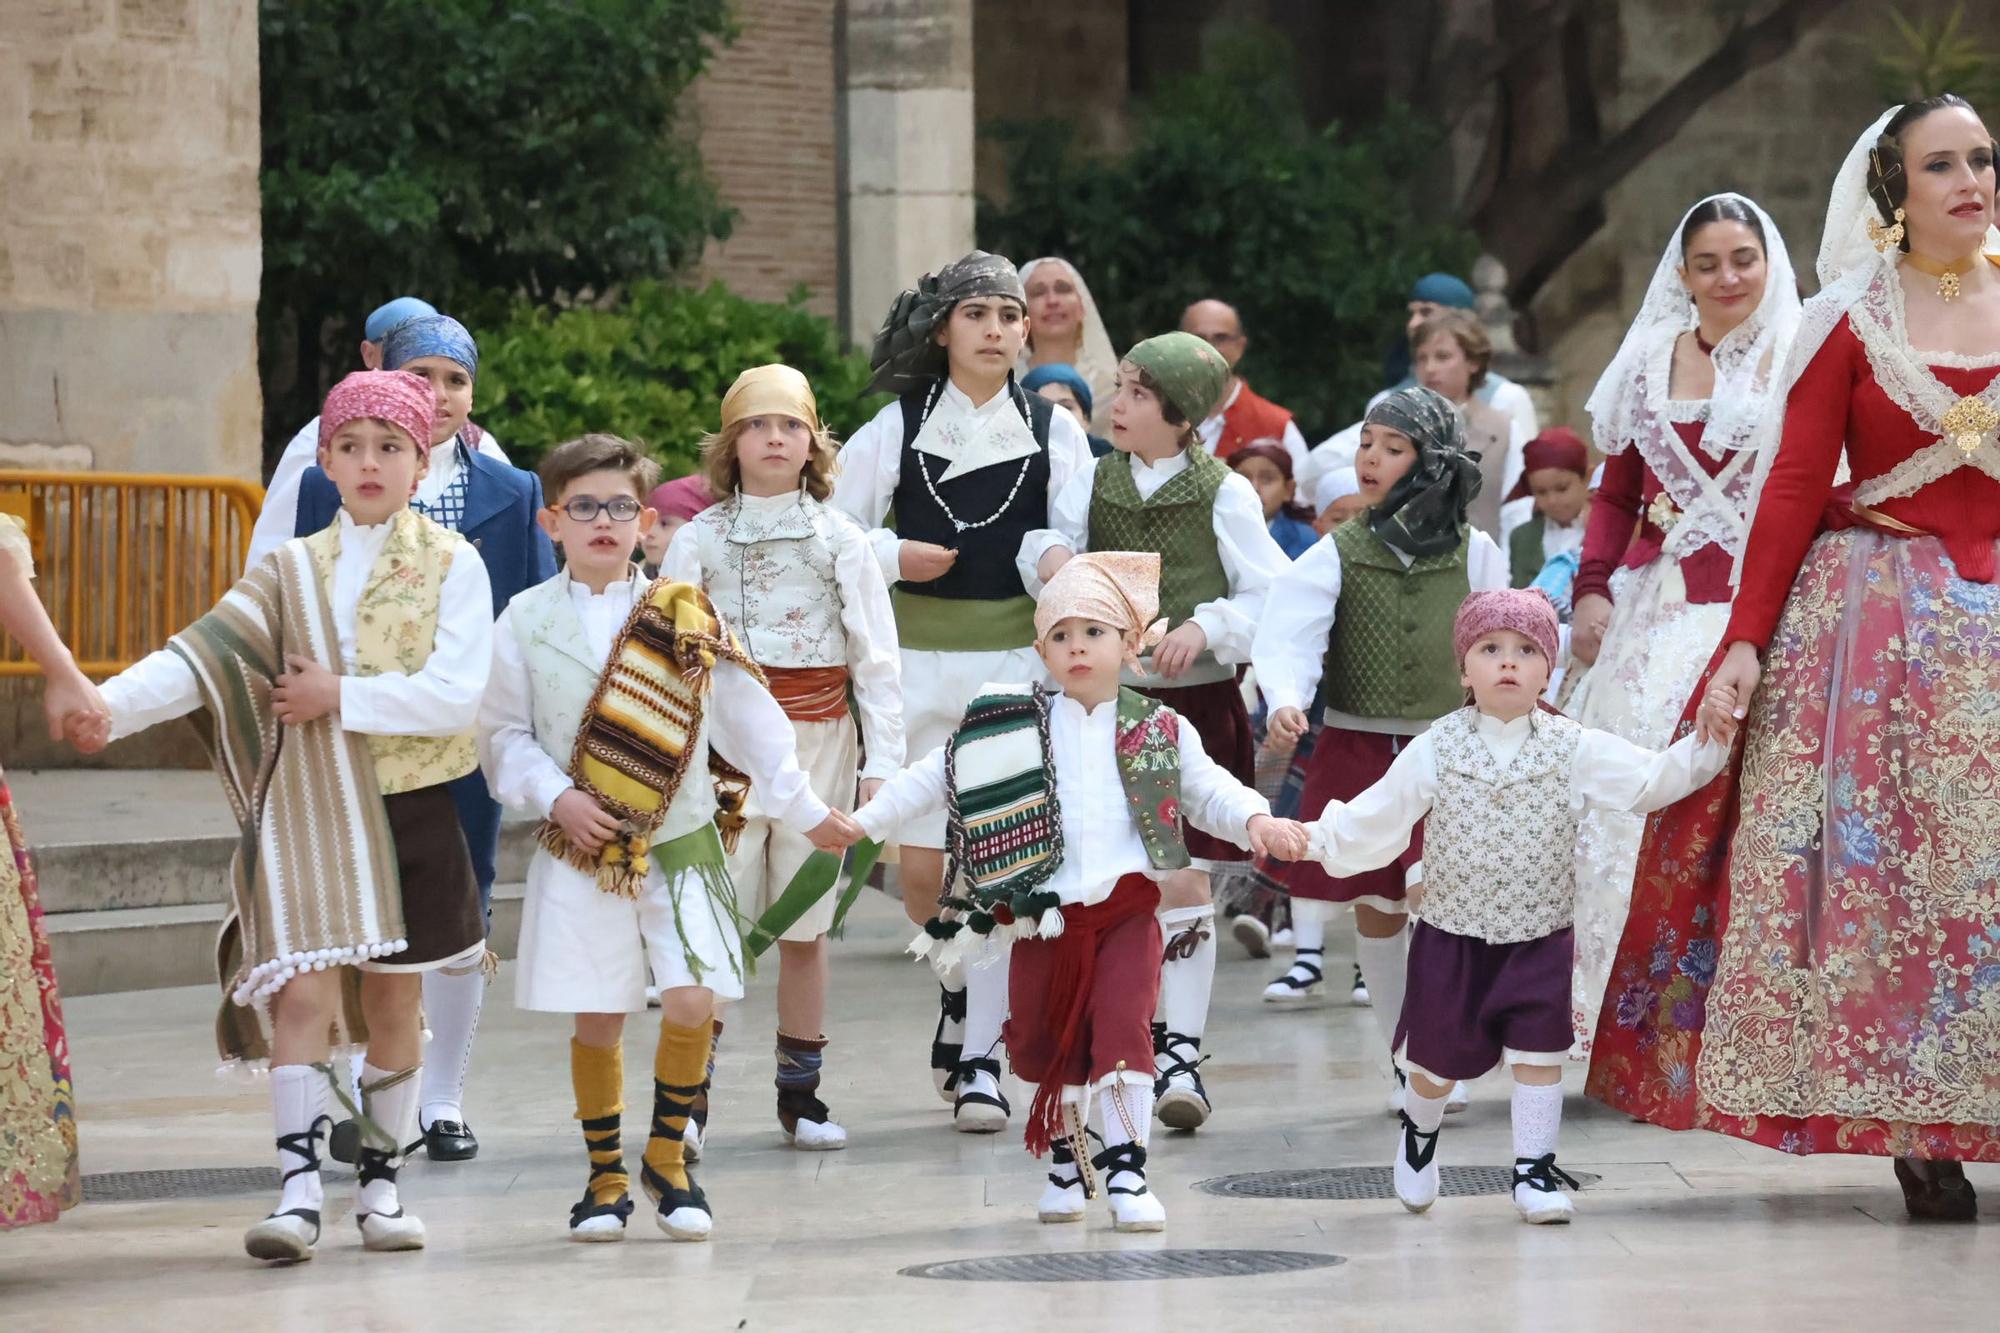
pixel 149 948
pixel 142 839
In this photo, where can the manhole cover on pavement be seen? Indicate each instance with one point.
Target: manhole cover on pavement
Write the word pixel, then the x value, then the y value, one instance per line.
pixel 1362 1182
pixel 208 1183
pixel 1123 1265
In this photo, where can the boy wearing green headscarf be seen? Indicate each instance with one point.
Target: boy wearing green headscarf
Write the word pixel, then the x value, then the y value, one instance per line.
pixel 1160 491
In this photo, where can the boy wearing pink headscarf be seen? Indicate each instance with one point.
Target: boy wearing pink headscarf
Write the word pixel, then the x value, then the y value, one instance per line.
pixel 344 673
pixel 1064 812
pixel 1501 785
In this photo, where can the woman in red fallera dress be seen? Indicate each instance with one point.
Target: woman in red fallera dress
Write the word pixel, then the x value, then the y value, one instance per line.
pixel 1812 960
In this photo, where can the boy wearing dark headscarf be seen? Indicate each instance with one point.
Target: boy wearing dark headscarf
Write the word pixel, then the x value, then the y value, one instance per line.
pixel 1364 621
pixel 1163 492
pixel 969 463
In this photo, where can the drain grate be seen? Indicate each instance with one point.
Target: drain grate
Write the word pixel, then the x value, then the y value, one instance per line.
pixel 1124 1265
pixel 1362 1182
pixel 206 1183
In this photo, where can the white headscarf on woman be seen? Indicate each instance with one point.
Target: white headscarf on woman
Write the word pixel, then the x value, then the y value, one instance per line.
pixel 1631 405
pixel 1851 267
pixel 1096 359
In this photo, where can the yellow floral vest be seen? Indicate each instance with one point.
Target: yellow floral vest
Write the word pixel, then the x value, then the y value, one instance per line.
pixel 395 629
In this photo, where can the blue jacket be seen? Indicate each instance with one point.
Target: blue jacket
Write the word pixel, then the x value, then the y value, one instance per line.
pixel 500 506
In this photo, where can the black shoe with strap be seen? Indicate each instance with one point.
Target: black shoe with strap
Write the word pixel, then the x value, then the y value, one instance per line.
pixel 1188 1108
pixel 1419 1147
pixel 448 1141
pixel 601 1135
pixel 1936 1191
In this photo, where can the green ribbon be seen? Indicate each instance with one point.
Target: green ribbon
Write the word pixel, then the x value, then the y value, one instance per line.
pixel 815 879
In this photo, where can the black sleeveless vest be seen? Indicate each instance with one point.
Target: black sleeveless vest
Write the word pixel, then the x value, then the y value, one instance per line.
pixel 985 569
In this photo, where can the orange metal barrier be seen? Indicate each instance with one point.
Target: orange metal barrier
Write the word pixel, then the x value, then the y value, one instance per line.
pixel 124 560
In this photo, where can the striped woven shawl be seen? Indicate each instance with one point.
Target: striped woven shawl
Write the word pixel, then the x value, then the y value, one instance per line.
pixel 314 882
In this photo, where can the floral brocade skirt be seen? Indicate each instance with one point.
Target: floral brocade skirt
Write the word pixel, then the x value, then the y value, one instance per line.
pixel 1825 975
pixel 38 1165
pixel 1655 650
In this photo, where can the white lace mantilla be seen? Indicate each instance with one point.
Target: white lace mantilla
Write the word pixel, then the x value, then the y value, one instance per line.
pixel 1967 427
pixel 1708 509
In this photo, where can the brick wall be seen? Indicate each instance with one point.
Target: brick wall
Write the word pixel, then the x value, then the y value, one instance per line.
pixel 129 241
pixel 767 117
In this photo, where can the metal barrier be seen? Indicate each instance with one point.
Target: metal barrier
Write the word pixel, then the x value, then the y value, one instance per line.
pixel 124 560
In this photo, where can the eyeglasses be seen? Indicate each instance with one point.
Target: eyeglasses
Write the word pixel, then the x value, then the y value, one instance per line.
pixel 584 508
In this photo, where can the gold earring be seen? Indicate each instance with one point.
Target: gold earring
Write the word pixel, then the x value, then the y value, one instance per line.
pixel 1884 238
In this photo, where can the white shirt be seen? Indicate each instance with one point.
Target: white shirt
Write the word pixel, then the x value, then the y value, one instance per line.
pixel 1350 837
pixel 280 514
pixel 1210 431
pixel 1250 558
pixel 1101 841
pixel 440 699
pixel 871 464
pixel 1290 645
pixel 744 723
pixel 864 640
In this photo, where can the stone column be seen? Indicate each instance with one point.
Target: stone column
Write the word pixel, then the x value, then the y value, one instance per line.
pixel 907 186
pixel 129 236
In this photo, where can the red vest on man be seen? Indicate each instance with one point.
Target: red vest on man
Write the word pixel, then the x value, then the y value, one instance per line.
pixel 1248 419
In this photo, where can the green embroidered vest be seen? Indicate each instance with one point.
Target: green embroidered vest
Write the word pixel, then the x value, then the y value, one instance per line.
pixel 1004 829
pixel 1390 653
pixel 1177 524
pixel 395 629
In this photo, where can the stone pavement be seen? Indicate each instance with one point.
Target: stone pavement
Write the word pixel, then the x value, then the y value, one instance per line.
pixel 1681 1231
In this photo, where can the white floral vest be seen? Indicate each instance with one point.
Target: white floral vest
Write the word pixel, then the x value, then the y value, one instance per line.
pixel 562 677
pixel 1500 842
pixel 767 565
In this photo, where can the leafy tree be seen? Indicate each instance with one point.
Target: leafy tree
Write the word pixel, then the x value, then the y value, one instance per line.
pixel 654 367
pixel 455 149
pixel 1931 56
pixel 1226 191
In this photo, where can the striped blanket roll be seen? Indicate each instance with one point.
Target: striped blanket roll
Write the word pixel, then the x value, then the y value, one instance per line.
pixel 314 882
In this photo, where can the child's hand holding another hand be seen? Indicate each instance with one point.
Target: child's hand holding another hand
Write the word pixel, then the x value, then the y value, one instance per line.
pixel 836 833
pixel 1284 839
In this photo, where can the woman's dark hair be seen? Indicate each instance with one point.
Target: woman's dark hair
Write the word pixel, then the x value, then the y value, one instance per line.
pixel 1888 183
pixel 1722 208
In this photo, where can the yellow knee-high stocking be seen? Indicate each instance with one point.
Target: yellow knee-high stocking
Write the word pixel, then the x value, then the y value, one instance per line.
pixel 678 1071
pixel 597 1073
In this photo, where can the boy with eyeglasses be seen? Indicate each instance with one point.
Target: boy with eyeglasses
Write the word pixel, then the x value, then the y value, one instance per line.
pixel 624 714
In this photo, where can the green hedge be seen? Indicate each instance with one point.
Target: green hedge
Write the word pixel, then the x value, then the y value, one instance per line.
pixel 653 368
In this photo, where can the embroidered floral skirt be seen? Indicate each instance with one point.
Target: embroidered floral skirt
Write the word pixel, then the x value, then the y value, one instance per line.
pixel 1654 652
pixel 38 1167
pixel 1829 981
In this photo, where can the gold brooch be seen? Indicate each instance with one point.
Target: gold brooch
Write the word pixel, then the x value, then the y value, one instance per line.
pixel 1884 238
pixel 1661 513
pixel 1969 421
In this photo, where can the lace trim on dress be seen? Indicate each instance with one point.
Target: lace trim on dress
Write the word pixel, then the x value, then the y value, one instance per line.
pixel 1967 426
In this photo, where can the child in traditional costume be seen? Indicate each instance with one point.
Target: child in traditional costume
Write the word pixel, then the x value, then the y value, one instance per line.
pixel 797 581
pixel 344 674
pixel 970 464
pixel 617 708
pixel 1364 619
pixel 492 504
pixel 1163 492
pixel 1065 813
pixel 1501 785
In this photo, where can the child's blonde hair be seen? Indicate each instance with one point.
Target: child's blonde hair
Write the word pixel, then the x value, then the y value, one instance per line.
pixel 720 469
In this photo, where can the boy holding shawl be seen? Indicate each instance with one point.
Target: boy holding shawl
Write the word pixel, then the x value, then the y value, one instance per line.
pixel 1064 813
pixel 624 714
pixel 343 674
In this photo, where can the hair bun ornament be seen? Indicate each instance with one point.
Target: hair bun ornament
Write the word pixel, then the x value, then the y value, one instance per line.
pixel 1886 238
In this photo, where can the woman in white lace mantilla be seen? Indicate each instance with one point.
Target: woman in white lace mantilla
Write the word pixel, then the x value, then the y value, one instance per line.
pixel 1677 413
